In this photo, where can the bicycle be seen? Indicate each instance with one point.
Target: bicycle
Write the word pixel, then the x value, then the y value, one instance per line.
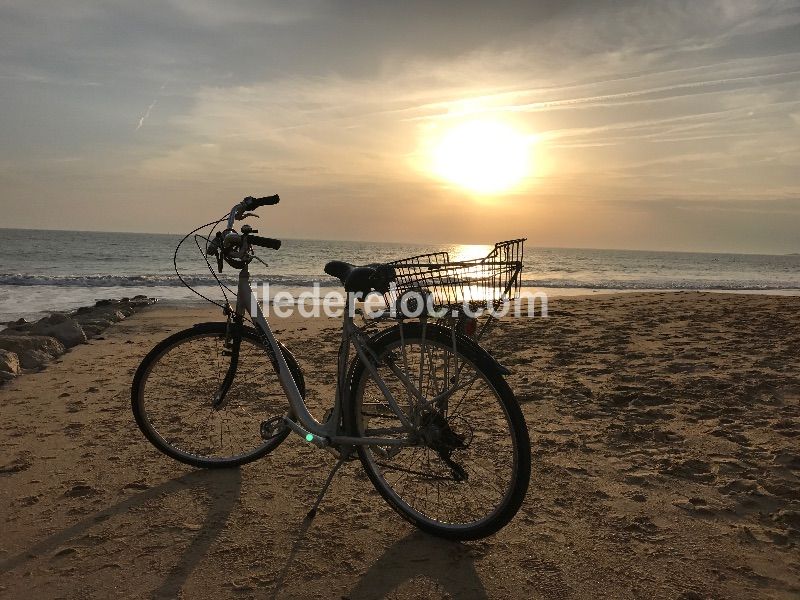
pixel 424 407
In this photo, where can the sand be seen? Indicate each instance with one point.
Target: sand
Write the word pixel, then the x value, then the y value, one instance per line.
pixel 666 455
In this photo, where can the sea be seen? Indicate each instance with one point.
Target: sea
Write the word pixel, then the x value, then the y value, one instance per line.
pixel 43 271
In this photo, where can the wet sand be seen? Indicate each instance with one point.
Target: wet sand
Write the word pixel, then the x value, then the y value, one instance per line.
pixel 666 453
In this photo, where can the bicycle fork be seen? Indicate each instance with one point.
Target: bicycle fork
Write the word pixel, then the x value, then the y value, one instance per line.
pixel 232 345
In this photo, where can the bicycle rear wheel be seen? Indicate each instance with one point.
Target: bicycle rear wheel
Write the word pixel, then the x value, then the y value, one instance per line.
pixel 174 388
pixel 468 472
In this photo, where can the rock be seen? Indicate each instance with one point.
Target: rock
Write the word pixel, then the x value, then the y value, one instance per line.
pixel 92 327
pixel 99 317
pixel 142 300
pixel 126 306
pixel 112 315
pixel 19 325
pixel 9 363
pixel 33 351
pixel 65 330
pixel 93 320
pixel 25 345
pixel 53 319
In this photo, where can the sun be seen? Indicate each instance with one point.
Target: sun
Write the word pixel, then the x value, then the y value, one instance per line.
pixel 484 157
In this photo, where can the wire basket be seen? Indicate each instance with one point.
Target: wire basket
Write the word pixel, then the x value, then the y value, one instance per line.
pixel 456 285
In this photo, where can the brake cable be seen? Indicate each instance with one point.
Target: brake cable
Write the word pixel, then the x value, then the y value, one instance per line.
pixel 180 277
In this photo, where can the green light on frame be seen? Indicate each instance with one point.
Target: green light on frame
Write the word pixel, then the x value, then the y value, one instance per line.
pixel 309 437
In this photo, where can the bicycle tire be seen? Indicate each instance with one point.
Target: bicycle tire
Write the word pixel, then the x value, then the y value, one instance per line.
pixel 215 330
pixel 490 372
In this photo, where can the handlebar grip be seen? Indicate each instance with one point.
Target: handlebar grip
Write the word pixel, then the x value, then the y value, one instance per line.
pixel 264 242
pixel 251 203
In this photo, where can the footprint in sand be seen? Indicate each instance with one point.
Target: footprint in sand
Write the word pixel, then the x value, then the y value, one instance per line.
pixel 81 490
pixel 691 468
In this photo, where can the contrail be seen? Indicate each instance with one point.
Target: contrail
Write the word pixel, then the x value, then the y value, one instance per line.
pixel 146 114
pixel 150 108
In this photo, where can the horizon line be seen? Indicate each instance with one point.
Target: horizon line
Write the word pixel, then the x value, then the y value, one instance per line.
pixel 422 244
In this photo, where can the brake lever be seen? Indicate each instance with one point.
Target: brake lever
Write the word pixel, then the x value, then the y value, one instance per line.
pixel 214 244
pixel 214 247
pixel 250 214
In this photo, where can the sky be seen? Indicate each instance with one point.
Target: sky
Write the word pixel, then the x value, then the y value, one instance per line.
pixel 648 125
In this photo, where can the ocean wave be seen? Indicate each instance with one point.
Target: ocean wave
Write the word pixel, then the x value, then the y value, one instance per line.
pixel 662 284
pixel 90 281
pixel 166 280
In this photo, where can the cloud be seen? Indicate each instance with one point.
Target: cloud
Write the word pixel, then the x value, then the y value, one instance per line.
pixel 300 124
pixel 215 14
pixel 335 101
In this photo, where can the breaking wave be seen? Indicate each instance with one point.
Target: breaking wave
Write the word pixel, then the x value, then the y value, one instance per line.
pixel 166 280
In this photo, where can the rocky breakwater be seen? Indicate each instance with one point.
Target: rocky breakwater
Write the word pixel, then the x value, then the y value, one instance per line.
pixel 26 346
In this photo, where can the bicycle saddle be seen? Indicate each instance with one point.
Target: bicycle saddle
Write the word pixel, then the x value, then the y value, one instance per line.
pixel 361 279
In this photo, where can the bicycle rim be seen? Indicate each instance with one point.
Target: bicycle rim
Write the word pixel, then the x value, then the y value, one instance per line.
pixel 417 481
pixel 175 388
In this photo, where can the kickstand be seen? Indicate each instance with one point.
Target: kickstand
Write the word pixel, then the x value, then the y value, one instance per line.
pixel 313 512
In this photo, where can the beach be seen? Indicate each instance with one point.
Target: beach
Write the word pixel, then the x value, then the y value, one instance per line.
pixel 665 432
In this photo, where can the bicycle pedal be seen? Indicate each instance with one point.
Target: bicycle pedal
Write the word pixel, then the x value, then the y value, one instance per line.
pixel 272 428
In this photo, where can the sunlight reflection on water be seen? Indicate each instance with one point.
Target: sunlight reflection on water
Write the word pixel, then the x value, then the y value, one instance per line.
pixel 461 252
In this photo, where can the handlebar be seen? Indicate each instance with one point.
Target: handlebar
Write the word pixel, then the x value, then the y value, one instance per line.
pixel 251 203
pixel 234 248
pixel 264 242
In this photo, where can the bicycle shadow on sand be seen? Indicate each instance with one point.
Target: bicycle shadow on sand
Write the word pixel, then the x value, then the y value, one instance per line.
pixel 429 566
pixel 426 566
pixel 222 487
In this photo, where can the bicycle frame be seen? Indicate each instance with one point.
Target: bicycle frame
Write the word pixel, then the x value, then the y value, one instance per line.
pixel 405 378
pixel 327 433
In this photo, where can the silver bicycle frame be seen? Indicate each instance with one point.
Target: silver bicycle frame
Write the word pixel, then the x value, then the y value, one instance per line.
pixel 327 433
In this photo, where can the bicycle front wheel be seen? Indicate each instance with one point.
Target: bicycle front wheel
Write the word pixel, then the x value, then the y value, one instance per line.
pixel 174 388
pixel 466 473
